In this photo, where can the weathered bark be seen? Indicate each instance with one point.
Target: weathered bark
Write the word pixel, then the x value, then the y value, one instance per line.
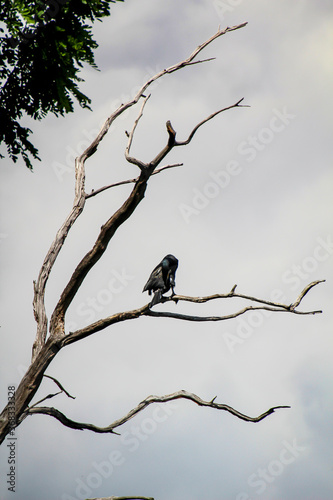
pixel 29 384
pixel 45 349
pixel 89 260
pixel 80 197
pixel 109 429
pixel 32 379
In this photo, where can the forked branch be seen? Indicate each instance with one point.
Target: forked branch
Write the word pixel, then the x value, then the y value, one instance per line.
pixel 79 201
pixel 115 221
pixel 266 305
pixel 297 302
pixel 130 181
pixel 49 396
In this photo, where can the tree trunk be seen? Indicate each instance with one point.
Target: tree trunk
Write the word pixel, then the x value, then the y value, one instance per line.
pixel 28 386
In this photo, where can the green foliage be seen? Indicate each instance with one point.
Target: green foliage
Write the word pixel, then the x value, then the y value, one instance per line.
pixel 43 45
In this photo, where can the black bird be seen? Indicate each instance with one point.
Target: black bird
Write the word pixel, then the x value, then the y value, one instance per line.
pixel 162 278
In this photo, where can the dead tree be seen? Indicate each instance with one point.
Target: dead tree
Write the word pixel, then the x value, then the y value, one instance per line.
pixel 50 340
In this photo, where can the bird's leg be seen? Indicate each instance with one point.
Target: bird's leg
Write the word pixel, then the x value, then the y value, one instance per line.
pixel 172 285
pixel 173 293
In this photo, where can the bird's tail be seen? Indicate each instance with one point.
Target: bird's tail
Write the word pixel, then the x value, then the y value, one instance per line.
pixel 157 298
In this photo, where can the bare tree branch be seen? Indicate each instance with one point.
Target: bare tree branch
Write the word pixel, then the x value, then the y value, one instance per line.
pixel 67 422
pixel 40 284
pixel 101 324
pixel 79 200
pixel 232 294
pixel 130 159
pixel 190 137
pixel 44 410
pixel 187 317
pixel 172 134
pixel 303 293
pixel 122 498
pixel 107 231
pixel 57 323
pixel 44 349
pixel 49 396
pixel 129 181
pixel 123 107
pixel 59 385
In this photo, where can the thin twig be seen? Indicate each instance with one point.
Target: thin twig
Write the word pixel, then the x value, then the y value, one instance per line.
pixel 190 137
pixel 201 61
pixel 59 385
pixel 130 159
pixel 130 181
pixel 49 396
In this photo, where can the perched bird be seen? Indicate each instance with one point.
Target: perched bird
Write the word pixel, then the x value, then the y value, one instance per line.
pixel 162 278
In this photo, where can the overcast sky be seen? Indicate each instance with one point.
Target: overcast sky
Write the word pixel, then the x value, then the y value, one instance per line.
pixel 251 206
